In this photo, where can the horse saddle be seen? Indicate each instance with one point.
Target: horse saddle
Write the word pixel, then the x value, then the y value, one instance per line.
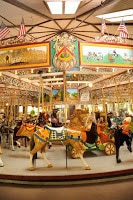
pixel 57 133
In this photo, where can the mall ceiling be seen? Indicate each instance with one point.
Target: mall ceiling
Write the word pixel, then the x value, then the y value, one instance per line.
pixel 42 26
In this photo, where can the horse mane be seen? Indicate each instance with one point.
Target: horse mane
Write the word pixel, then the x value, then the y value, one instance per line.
pixel 76 119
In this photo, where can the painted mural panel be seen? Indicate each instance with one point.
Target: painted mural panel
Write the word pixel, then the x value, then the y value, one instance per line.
pixel 25 56
pixel 71 95
pixel 57 95
pixel 106 55
pixel 65 52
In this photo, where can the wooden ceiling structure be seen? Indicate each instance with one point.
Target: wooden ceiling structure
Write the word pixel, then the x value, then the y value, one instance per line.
pixel 42 26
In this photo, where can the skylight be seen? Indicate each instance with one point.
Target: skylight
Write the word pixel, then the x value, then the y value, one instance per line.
pixel 125 15
pixel 71 7
pixel 63 6
pixel 55 7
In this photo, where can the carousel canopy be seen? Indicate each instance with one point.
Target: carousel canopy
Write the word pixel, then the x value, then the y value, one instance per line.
pixel 40 25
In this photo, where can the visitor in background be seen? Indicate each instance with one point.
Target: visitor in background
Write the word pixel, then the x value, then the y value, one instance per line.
pixel 54 120
pixel 109 115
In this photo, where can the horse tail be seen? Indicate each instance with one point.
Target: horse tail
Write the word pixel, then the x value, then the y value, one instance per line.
pixel 32 145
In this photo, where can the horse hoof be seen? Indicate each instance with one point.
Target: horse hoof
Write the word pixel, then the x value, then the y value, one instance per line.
pixel 31 168
pixel 1 165
pixel 129 148
pixel 119 161
pixel 49 146
pixel 50 165
pixel 87 168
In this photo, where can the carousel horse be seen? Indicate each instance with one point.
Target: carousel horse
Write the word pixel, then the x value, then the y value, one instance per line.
pixel 7 132
pixel 41 136
pixel 123 134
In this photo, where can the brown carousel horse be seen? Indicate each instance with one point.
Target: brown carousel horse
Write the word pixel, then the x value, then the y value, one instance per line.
pixel 74 134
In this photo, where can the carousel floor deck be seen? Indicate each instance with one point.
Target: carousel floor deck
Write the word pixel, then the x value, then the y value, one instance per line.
pixel 65 171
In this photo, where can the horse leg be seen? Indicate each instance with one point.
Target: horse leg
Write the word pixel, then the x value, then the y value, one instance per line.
pixel 17 143
pixel 11 141
pixel 118 160
pixel 128 140
pixel 32 164
pixel 3 140
pixel 0 149
pixel 47 161
pixel 32 161
pixel 1 163
pixel 118 142
pixel 87 167
pixel 0 145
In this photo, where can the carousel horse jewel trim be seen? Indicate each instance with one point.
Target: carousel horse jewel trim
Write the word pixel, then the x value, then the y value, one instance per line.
pixel 39 137
pixel 77 138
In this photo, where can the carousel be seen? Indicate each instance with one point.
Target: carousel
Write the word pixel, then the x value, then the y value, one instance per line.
pixel 53 103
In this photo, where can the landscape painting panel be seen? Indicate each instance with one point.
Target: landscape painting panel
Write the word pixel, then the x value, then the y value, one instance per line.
pixel 106 55
pixel 28 56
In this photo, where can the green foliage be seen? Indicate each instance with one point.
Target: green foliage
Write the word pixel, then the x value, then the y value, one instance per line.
pixel 32 113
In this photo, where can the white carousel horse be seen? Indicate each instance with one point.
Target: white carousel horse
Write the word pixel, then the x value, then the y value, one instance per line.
pixel 41 136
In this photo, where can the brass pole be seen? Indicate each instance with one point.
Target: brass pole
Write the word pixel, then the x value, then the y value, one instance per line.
pixel 39 98
pixel 130 91
pixel 51 97
pixel 116 93
pixel 26 102
pixel 104 106
pixel 65 100
pixel 42 91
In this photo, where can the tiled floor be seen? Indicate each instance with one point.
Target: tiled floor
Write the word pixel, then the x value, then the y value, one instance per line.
pixel 16 164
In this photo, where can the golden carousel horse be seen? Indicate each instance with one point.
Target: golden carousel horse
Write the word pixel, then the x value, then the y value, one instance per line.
pixel 74 135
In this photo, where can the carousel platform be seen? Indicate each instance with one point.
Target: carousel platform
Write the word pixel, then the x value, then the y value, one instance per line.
pixel 65 170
